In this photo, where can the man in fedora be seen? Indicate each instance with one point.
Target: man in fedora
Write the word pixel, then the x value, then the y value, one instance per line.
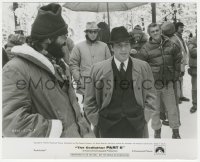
pixel 38 97
pixel 85 54
pixel 120 97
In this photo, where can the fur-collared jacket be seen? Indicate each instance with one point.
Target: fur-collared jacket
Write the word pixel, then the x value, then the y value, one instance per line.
pixel 34 103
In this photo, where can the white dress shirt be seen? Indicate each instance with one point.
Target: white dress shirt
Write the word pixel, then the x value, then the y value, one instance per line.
pixel 118 63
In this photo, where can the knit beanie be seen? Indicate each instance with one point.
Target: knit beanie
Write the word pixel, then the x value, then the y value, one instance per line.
pixel 168 28
pixel 49 22
pixel 137 30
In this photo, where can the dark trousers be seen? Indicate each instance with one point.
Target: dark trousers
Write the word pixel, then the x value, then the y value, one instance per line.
pixel 122 129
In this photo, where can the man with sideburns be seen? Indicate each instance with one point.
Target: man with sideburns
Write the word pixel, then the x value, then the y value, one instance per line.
pixel 120 96
pixel 38 97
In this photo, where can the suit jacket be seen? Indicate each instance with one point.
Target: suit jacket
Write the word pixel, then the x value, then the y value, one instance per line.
pixel 100 87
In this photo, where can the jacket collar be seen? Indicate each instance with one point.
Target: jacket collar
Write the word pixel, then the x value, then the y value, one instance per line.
pixel 108 66
pixel 164 39
pixel 33 56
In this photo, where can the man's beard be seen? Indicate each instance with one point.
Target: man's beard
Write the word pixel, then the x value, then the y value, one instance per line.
pixel 92 41
pixel 56 50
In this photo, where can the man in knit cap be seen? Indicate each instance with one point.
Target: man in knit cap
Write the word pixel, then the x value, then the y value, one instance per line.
pixel 139 38
pixel 85 54
pixel 38 98
pixel 168 29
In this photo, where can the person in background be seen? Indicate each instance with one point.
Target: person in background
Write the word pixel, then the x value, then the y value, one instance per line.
pixel 192 45
pixel 38 96
pixel 13 40
pixel 5 58
pixel 85 54
pixel 104 32
pixel 179 26
pixel 68 49
pixel 164 57
pixel 139 38
pixel 168 29
pixel 120 97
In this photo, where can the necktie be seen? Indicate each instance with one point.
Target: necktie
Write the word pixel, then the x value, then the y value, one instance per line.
pixel 122 71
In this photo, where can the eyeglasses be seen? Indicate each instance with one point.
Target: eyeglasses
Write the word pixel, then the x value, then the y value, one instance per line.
pixel 92 31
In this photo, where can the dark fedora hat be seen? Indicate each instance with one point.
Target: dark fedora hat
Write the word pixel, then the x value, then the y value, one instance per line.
pixel 119 34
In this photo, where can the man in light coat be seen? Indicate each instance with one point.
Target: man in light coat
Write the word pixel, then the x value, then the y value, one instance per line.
pixel 85 54
pixel 179 26
pixel 38 98
pixel 120 96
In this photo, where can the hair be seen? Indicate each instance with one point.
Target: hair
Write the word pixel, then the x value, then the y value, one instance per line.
pixel 178 24
pixel 151 26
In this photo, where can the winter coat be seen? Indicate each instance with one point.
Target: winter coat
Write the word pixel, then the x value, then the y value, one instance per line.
pixel 68 49
pixel 34 104
pixel 83 56
pixel 184 51
pixel 192 45
pixel 99 90
pixel 138 45
pixel 164 59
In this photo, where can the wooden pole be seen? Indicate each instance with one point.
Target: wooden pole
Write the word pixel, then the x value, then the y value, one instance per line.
pixel 108 14
pixel 153 9
pixel 15 6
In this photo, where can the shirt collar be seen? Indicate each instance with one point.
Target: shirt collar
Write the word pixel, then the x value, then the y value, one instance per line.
pixel 118 63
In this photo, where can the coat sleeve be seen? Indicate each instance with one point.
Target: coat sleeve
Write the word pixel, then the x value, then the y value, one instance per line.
pixel 74 63
pixel 108 55
pixel 193 49
pixel 150 93
pixel 17 116
pixel 142 54
pixel 177 57
pixel 90 103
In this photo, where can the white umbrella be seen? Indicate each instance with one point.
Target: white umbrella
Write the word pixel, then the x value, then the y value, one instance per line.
pixel 102 6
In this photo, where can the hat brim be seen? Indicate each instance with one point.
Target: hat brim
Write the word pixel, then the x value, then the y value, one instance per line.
pixel 120 40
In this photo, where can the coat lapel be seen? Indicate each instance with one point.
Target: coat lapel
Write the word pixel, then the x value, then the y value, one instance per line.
pixel 107 77
pixel 135 72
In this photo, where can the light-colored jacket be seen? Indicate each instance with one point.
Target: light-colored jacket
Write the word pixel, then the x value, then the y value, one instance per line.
pixel 184 50
pixel 83 56
pixel 34 104
pixel 100 88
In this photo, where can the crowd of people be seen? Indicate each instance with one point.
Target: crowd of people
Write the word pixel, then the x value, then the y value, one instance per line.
pixel 126 79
